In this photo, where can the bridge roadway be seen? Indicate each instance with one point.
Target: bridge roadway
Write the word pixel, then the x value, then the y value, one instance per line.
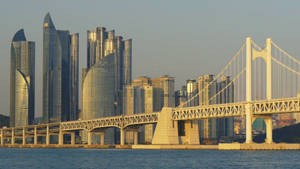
pixel 258 109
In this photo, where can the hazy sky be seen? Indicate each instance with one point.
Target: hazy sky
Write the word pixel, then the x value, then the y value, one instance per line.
pixel 183 39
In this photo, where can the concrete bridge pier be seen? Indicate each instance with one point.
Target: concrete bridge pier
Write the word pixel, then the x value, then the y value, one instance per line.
pixel 166 131
pixel 90 137
pixel 47 135
pixel 122 136
pixel 12 136
pixel 2 137
pixel 72 138
pixel 35 136
pixel 269 128
pixel 24 136
pixel 135 137
pixel 60 137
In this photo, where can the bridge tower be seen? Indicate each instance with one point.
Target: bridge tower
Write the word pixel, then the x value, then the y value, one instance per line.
pixel 251 55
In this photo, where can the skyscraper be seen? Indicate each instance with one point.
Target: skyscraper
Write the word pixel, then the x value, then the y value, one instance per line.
pixel 101 43
pixel 60 73
pixel 22 80
pixel 108 71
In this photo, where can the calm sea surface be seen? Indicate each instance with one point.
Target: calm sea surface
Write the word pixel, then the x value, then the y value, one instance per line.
pixel 158 159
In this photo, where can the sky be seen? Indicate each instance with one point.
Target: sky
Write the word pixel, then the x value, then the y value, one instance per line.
pixel 183 39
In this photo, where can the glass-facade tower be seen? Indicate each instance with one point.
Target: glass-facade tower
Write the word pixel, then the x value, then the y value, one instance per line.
pixel 60 73
pixel 22 80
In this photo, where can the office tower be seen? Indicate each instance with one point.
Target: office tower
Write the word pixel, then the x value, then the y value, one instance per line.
pixel 22 79
pixel 147 95
pixel 74 78
pixel 60 73
pixel 106 49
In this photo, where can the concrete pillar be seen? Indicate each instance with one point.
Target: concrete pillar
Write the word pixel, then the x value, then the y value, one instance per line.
pixel 60 137
pixel 2 137
pixel 269 128
pixel 248 90
pixel 135 135
pixel 269 68
pixel 122 138
pixel 47 135
pixel 24 136
pixel 102 139
pixel 166 131
pixel 12 136
pixel 90 137
pixel 72 138
pixel 35 136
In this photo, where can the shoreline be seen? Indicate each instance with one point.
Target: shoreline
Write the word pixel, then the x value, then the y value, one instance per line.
pixel 223 146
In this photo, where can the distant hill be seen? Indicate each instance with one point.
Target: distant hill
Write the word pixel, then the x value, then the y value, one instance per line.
pixel 289 134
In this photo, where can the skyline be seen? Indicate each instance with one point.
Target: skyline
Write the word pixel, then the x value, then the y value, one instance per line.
pixel 170 47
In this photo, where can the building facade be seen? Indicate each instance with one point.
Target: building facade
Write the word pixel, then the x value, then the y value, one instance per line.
pixel 101 43
pixel 60 73
pixel 22 80
pixel 214 92
pixel 206 91
pixel 108 71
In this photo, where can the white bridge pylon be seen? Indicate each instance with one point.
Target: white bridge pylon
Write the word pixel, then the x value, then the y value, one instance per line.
pixel 251 55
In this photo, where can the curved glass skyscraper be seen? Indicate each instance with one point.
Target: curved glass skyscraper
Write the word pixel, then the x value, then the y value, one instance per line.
pixel 60 72
pixel 98 89
pixel 22 78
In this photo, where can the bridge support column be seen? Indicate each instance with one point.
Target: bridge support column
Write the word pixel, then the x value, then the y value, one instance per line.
pixel 269 128
pixel 47 135
pixel 248 124
pixel 136 139
pixel 72 138
pixel 35 136
pixel 166 131
pixel 60 137
pixel 122 137
pixel 90 137
pixel 248 90
pixel 12 136
pixel 24 136
pixel 102 138
pixel 2 137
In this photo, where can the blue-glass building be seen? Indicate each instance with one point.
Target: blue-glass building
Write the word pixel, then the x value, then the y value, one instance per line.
pixel 60 73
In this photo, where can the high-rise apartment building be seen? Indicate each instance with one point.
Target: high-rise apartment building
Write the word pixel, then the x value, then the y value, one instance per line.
pixel 147 95
pixel 22 80
pixel 101 43
pixel 180 96
pixel 108 71
pixel 213 92
pixel 60 73
pixel 205 92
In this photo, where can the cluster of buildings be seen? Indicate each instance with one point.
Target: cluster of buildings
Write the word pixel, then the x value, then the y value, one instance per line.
pixel 107 87
pixel 208 91
pixel 108 70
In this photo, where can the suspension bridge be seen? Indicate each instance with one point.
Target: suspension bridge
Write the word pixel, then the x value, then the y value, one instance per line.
pixel 265 82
